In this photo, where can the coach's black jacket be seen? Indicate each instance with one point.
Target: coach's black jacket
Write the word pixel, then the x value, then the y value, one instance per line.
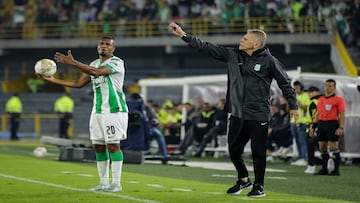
pixel 249 79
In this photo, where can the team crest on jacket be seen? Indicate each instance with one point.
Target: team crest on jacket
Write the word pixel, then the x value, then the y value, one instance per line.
pixel 328 107
pixel 257 67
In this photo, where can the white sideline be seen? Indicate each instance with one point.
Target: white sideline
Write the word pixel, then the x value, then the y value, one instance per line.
pixel 76 189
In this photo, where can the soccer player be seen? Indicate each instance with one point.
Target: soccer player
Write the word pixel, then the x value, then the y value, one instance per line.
pixel 331 117
pixel 109 117
pixel 251 69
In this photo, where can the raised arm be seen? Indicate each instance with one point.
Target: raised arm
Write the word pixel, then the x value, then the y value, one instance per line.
pixel 215 51
pixel 81 82
pixel 176 30
pixel 69 59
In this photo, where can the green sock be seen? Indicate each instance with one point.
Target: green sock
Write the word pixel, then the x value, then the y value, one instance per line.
pixel 116 167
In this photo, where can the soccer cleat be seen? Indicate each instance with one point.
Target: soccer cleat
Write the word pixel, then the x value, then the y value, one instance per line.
pixel 113 188
pixel 239 186
pixel 310 170
pixel 257 191
pixel 299 162
pixel 98 188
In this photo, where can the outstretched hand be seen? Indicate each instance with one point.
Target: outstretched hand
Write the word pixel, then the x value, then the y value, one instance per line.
pixel 176 30
pixel 67 59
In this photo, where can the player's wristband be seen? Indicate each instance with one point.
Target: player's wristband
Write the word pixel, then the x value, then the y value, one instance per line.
pixel 342 128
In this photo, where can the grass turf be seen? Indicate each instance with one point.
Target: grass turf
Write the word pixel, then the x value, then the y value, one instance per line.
pixel 24 178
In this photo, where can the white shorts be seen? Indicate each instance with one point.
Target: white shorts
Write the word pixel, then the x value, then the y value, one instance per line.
pixel 108 128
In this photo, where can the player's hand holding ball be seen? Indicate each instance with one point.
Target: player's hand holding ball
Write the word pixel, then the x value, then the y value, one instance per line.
pixel 45 67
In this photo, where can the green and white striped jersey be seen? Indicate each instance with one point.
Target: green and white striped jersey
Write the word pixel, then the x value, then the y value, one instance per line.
pixel 108 89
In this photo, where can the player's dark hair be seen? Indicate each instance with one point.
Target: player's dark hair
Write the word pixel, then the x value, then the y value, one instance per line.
pixel 108 37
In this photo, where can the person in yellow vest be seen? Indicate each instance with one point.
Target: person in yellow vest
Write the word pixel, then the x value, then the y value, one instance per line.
pixel 312 141
pixel 298 129
pixel 13 108
pixel 64 106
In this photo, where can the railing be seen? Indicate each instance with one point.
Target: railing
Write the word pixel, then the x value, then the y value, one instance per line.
pixel 37 118
pixel 146 28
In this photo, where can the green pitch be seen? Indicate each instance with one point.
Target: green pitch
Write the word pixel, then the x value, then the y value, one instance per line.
pixel 24 178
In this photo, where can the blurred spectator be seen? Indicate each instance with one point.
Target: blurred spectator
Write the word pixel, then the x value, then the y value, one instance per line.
pixel 64 107
pixel 170 120
pixel 13 108
pixel 298 129
pixel 164 14
pixel 191 115
pixel 184 8
pixel 342 26
pixel 35 84
pixel 115 16
pixel 355 13
pixel 204 122
pixel 217 128
pixel 279 134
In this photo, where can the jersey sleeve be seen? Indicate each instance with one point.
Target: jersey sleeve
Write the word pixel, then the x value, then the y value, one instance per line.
pixel 115 65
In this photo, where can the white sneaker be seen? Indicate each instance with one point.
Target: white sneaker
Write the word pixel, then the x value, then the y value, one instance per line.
pixel 99 187
pixel 299 162
pixel 330 165
pixel 113 188
pixel 310 170
pixel 286 152
pixel 269 159
pixel 278 152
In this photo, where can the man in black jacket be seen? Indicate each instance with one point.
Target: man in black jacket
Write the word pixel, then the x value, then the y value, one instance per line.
pixel 251 69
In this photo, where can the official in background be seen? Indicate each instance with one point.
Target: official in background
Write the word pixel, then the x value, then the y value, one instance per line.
pixel 312 139
pixel 331 117
pixel 64 107
pixel 298 129
pixel 13 108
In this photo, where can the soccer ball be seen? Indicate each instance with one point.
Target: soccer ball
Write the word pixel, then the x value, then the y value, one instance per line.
pixel 46 67
pixel 40 152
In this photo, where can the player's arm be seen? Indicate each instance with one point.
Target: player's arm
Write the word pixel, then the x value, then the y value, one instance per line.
pixel 69 59
pixel 81 82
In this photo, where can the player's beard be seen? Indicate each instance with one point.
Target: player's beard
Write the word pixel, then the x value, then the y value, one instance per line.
pixel 103 53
